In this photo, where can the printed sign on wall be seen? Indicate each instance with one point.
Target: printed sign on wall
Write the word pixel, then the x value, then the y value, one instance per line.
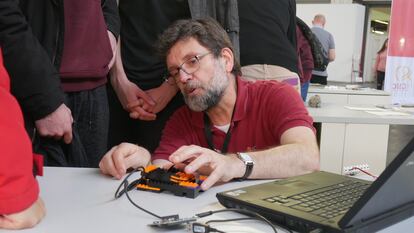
pixel 400 61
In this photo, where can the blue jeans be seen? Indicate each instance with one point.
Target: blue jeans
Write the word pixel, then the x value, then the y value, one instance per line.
pixel 304 90
pixel 90 114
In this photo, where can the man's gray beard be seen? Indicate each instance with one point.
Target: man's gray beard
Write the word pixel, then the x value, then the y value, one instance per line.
pixel 214 91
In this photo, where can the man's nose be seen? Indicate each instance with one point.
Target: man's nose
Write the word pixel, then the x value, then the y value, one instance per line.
pixel 184 76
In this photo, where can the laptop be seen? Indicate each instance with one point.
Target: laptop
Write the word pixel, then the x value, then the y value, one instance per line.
pixel 328 202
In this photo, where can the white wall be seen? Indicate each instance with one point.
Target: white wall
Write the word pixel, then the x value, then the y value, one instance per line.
pixel 346 23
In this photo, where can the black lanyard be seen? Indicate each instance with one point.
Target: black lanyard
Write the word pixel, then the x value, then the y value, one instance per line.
pixel 209 135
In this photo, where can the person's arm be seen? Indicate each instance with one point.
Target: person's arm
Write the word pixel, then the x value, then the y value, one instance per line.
pixel 175 134
pixel 128 92
pixel 296 151
pixel 113 23
pixel 331 51
pixel 161 95
pixel 35 82
pixel 297 155
pixel 331 55
pixel 20 205
pixel 26 218
pixel 126 155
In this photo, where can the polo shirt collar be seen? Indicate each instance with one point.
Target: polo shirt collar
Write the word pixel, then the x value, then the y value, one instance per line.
pixel 241 106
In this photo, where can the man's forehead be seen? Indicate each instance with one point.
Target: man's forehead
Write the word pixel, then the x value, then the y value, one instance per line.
pixel 183 49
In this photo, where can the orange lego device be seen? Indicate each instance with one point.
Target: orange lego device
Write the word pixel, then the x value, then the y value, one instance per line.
pixel 156 179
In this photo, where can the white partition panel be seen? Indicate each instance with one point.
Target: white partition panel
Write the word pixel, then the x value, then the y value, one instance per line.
pixel 346 23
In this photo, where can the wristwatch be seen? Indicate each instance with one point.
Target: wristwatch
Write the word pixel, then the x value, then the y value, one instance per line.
pixel 248 161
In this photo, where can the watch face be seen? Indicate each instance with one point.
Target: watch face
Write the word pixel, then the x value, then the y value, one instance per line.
pixel 245 157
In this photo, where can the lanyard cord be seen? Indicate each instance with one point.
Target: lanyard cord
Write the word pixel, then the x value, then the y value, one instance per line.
pixel 209 135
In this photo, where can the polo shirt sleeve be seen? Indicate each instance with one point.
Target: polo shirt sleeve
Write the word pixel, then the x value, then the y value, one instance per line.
pixel 331 42
pixel 286 110
pixel 177 132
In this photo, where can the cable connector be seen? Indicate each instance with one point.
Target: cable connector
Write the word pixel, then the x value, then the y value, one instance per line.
pixel 198 227
pixel 355 169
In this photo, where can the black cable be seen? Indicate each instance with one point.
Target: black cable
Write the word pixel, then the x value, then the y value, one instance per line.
pixel 128 187
pixel 247 212
pixel 118 192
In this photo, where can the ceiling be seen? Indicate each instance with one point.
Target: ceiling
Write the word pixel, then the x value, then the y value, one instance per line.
pixel 380 13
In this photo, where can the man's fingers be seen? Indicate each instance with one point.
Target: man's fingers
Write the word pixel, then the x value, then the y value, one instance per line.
pixel 141 114
pixel 107 165
pixel 142 94
pixel 197 163
pixel 211 179
pixel 134 104
pixel 67 137
pixel 122 157
pixel 185 153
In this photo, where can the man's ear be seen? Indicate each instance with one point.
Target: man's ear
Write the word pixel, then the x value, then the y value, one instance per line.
pixel 228 57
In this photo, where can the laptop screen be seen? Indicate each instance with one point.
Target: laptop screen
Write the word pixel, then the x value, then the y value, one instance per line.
pixel 393 188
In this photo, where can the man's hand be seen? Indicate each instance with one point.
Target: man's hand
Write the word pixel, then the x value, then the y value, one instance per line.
pixel 117 160
pixel 57 124
pixel 112 41
pixel 24 219
pixel 162 95
pixel 128 92
pixel 220 167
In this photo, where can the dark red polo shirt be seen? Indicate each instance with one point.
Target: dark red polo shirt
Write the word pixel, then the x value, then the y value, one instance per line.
pixel 86 50
pixel 264 111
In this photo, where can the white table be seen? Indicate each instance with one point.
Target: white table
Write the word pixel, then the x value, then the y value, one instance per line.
pixel 351 137
pixel 341 95
pixel 81 200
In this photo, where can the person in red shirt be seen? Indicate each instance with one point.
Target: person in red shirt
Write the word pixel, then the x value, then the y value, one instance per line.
pixel 380 64
pixel 20 204
pixel 229 128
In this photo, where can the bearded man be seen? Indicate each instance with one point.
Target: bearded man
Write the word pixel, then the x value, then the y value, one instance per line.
pixel 229 128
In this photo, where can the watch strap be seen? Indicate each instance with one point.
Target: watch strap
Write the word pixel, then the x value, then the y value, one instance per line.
pixel 249 165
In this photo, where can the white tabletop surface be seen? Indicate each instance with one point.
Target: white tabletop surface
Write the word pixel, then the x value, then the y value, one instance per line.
pixel 321 89
pixel 338 113
pixel 81 200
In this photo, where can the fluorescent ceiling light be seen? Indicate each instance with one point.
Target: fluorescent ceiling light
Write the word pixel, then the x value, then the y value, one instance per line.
pixel 380 21
pixel 378 32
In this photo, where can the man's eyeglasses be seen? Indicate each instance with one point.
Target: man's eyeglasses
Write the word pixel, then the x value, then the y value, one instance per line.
pixel 189 66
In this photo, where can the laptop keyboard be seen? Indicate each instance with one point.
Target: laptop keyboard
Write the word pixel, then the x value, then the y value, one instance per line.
pixel 326 202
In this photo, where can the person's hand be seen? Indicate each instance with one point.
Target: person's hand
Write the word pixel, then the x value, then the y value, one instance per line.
pixel 221 168
pixel 57 124
pixel 24 219
pixel 162 95
pixel 128 92
pixel 112 41
pixel 118 159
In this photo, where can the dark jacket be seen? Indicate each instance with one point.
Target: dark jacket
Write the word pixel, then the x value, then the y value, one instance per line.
pixel 225 12
pixel 31 35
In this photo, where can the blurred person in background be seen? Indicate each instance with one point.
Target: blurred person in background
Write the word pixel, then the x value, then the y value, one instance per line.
pixel 380 65
pixel 328 46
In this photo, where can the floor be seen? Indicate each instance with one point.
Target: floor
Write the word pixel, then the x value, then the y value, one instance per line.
pixel 399 135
